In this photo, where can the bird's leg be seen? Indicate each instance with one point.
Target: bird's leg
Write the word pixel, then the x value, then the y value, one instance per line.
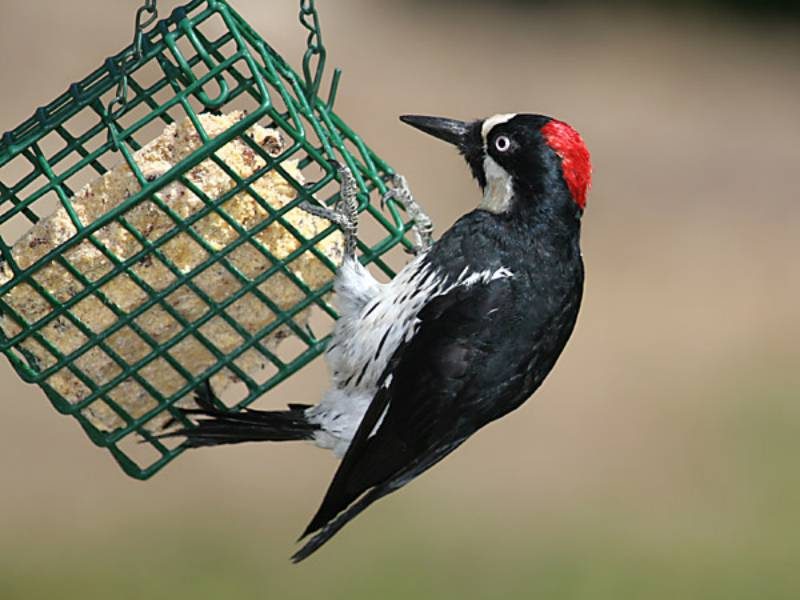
pixel 423 225
pixel 345 214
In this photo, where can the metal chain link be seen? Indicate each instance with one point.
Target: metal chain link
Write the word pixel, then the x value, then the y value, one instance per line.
pixel 148 13
pixel 310 20
pixel 145 16
pixel 315 48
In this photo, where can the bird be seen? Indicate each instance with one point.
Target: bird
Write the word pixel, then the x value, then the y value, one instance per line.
pixel 464 334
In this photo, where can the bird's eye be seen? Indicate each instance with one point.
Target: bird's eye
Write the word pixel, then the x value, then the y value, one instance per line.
pixel 502 143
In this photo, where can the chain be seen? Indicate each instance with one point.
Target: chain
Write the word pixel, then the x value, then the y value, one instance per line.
pixel 148 13
pixel 145 16
pixel 310 20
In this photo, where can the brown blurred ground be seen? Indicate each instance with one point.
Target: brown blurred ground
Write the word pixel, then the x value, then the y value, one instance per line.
pixel 667 437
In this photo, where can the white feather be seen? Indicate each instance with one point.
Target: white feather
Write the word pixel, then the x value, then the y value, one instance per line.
pixel 499 188
pixel 374 320
pixel 492 122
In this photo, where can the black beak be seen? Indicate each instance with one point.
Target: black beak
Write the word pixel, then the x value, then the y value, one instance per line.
pixel 449 130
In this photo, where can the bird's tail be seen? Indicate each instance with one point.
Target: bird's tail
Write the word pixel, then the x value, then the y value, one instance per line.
pixel 214 426
pixel 219 427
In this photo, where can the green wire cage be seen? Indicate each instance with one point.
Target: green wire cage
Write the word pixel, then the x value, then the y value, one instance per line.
pixel 204 59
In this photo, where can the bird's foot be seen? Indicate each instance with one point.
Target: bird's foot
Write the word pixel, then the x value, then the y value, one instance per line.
pixel 423 225
pixel 345 212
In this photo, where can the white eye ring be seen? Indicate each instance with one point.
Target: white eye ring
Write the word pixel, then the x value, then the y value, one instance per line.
pixel 502 143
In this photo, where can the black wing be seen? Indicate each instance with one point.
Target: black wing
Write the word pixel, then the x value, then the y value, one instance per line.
pixel 429 399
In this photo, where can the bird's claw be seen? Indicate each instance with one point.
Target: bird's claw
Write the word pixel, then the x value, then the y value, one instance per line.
pixel 394 192
pixel 345 212
pixel 423 225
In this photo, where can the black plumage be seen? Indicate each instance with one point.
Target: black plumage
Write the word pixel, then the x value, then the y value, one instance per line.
pixel 227 427
pixel 216 427
pixel 467 335
pixel 479 352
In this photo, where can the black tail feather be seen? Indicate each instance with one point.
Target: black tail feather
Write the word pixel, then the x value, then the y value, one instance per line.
pixel 220 427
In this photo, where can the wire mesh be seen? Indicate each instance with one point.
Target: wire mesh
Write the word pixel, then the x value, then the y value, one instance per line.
pixel 204 59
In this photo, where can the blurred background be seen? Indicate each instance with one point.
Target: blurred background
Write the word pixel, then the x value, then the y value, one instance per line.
pixel 658 461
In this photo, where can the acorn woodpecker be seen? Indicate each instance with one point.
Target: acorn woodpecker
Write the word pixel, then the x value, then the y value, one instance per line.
pixel 464 334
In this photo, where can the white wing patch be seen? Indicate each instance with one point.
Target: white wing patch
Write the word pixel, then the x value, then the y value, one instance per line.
pixel 374 320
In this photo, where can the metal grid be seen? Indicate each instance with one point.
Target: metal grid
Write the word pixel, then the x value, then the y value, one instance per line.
pixel 203 58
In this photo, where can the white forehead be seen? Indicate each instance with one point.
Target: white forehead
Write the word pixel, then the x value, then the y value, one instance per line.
pixel 491 122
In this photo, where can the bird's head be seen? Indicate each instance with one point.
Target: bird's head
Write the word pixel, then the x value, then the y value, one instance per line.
pixel 518 158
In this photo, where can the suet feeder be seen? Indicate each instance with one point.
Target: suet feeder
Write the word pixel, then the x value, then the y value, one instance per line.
pixel 150 234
